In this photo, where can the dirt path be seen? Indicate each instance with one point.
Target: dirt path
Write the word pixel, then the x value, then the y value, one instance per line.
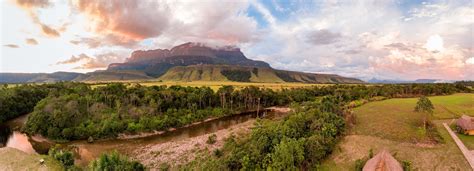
pixel 467 154
pixel 182 151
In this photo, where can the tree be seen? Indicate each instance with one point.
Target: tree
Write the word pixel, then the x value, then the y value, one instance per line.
pixel 424 106
pixel 115 161
pixel 66 158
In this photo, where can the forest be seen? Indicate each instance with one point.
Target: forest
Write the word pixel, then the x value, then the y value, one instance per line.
pixel 69 111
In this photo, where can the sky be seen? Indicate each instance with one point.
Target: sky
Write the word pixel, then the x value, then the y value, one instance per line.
pixel 384 39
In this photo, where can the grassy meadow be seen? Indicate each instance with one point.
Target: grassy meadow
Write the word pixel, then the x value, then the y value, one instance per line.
pixel 393 125
pixel 215 85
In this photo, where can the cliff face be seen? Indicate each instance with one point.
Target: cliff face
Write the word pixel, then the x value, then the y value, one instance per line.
pixel 156 62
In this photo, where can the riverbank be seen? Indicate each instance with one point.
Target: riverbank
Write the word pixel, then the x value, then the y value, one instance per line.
pixel 174 153
pixel 125 136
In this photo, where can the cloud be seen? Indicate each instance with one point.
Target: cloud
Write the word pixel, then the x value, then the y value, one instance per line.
pixel 31 7
pixel 378 43
pixel 323 37
pixel 49 31
pixel 126 23
pixel 470 61
pixel 100 61
pixel 109 40
pixel 11 46
pixel 33 3
pixel 74 59
pixel 31 41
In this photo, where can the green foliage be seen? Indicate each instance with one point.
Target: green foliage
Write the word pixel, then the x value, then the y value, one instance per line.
pixel 211 139
pixel 424 105
pixel 75 111
pixel 218 152
pixel 237 75
pixel 66 158
pixel 306 136
pixel 406 165
pixel 115 161
pixel 359 164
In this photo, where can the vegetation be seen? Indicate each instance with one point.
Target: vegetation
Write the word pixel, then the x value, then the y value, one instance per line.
pixel 211 139
pixel 300 140
pixel 115 161
pixel 66 158
pixel 424 106
pixel 21 99
pixel 237 75
pixel 78 111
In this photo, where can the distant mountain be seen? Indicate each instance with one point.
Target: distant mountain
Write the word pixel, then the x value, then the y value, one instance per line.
pixel 186 62
pixel 156 62
pixel 37 77
pixel 375 80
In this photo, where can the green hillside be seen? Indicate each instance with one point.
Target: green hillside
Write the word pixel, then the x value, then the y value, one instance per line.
pixel 247 74
pixel 113 76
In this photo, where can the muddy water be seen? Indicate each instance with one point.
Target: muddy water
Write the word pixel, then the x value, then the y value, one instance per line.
pixel 85 152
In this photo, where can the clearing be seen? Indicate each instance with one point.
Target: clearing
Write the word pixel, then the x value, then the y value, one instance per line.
pixel 13 159
pixel 393 125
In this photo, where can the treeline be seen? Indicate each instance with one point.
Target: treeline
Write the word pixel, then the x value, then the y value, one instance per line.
pixel 21 99
pixel 108 110
pixel 298 142
pixel 238 75
pixel 77 111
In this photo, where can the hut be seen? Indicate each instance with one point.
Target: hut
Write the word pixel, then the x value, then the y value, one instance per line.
pixel 383 161
pixel 465 125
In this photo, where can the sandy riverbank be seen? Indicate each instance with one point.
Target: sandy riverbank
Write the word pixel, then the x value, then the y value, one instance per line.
pixel 182 151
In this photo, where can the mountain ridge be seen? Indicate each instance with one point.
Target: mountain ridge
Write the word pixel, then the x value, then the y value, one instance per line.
pixel 186 62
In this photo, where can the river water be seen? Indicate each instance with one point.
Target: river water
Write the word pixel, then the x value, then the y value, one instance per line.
pixel 10 136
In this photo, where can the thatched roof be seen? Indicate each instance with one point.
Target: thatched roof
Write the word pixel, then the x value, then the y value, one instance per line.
pixel 383 161
pixel 465 122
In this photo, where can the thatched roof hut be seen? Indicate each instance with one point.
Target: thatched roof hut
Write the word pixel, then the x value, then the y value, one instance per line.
pixel 383 161
pixel 465 125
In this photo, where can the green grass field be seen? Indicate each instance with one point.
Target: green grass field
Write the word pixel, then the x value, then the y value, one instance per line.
pixel 393 125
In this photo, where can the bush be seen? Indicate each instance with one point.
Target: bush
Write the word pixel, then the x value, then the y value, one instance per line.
pixel 115 161
pixel 359 164
pixel 164 167
pixel 66 158
pixel 218 153
pixel 406 165
pixel 212 139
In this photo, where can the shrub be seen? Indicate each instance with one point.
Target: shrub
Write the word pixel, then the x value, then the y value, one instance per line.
pixel 406 165
pixel 218 153
pixel 115 161
pixel 66 158
pixel 359 164
pixel 211 139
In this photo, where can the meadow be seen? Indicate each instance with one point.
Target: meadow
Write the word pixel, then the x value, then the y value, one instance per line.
pixel 393 125
pixel 215 85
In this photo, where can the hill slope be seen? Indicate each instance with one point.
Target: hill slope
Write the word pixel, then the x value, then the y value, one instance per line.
pixel 37 77
pixel 247 74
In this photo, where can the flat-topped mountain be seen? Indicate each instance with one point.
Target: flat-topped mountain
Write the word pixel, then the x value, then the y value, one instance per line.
pixel 156 62
pixel 186 62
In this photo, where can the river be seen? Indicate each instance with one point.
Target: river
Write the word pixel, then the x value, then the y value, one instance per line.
pixel 10 136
